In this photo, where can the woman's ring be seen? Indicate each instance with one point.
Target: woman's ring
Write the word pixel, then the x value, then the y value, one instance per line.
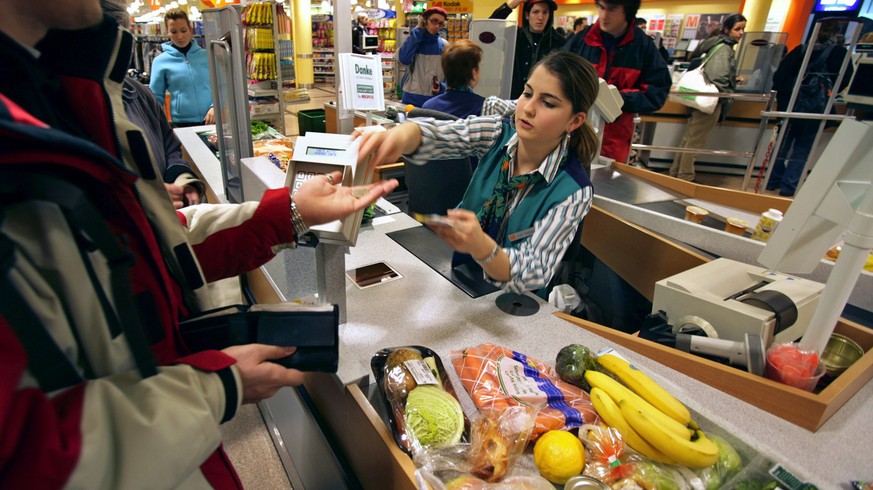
pixel 329 178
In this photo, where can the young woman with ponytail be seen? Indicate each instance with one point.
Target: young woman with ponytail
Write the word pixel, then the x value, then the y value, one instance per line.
pixel 529 193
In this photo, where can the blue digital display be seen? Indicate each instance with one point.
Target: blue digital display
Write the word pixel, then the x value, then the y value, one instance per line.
pixel 837 5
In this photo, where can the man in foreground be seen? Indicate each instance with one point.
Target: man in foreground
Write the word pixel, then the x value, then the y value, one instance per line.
pixel 96 270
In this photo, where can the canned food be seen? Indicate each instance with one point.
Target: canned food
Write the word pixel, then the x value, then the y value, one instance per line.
pixel 582 482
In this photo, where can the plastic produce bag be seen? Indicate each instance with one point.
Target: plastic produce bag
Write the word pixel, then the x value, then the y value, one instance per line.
pixel 499 378
pixel 415 388
pixel 489 462
pixel 618 467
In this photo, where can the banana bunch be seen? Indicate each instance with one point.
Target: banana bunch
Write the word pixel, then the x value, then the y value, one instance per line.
pixel 649 419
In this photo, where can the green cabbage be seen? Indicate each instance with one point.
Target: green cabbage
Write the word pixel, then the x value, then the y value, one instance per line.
pixel 433 416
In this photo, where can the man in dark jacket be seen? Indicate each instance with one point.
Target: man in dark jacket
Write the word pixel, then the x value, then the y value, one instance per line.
pixel 626 57
pixel 800 133
pixel 535 39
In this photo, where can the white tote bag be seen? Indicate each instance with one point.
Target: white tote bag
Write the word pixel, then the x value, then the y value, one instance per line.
pixel 695 81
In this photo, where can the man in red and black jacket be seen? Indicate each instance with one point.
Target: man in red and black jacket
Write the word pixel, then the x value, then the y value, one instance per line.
pixel 626 57
pixel 97 389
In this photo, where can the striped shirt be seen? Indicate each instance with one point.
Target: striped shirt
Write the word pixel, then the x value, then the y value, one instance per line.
pixel 534 261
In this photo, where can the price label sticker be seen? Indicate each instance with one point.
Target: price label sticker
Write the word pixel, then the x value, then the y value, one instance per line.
pixel 420 371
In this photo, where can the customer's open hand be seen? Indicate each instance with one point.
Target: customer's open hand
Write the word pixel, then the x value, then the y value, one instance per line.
pixel 320 200
pixel 260 378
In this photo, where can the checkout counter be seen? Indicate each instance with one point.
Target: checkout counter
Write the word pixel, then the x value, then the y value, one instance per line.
pixel 423 308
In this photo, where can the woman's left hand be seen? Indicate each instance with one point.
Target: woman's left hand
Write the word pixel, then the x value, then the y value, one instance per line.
pixel 210 116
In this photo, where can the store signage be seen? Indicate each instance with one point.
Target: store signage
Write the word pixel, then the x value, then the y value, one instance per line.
pixel 375 14
pixel 836 5
pixel 454 6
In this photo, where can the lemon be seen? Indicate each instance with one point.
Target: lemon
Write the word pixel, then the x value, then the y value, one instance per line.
pixel 559 455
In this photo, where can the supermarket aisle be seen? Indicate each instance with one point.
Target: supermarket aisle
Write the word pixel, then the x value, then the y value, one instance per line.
pixel 318 95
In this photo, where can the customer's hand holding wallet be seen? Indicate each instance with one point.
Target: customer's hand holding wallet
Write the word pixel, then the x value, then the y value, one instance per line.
pixel 313 329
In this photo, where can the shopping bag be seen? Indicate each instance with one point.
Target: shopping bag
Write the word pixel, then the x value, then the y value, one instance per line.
pixel 314 329
pixel 695 81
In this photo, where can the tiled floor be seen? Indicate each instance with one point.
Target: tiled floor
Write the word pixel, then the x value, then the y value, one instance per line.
pixel 318 95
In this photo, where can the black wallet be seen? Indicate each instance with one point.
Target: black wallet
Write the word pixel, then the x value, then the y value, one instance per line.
pixel 314 329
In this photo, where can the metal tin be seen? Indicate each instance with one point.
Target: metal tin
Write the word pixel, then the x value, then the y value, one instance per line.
pixel 840 353
pixel 582 482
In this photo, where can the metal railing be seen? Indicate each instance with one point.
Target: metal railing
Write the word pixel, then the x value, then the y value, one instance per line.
pixel 751 156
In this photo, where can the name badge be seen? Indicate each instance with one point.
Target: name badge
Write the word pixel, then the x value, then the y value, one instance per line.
pixel 521 234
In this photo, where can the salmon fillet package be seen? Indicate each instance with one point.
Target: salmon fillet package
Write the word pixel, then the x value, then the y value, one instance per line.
pixel 497 378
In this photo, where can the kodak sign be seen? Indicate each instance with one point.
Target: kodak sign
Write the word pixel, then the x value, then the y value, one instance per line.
pixel 454 6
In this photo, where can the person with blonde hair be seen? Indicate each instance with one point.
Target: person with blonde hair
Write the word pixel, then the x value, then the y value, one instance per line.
pixel 460 62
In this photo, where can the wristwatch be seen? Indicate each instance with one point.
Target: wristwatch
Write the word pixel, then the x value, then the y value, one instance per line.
pixel 490 257
pixel 297 223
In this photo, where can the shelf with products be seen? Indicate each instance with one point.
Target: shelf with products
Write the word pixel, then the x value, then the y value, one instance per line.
pixel 388 72
pixel 323 62
pixel 268 50
pixel 457 25
pixel 386 30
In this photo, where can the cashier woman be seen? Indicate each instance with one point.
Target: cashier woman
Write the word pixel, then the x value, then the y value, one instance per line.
pixel 529 193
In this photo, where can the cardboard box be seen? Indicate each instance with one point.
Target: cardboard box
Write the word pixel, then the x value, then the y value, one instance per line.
pixel 807 410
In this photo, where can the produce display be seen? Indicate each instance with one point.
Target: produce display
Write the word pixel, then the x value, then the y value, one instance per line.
pixel 536 426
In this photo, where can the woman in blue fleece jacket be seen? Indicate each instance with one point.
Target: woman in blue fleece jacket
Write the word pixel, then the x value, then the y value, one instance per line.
pixel 183 70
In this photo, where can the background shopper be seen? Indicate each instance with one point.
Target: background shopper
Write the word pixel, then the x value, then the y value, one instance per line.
pixel 460 62
pixel 143 109
pixel 800 133
pixel 530 192
pixel 721 71
pixel 359 29
pixel 183 71
pixel 535 39
pixel 627 58
pixel 421 53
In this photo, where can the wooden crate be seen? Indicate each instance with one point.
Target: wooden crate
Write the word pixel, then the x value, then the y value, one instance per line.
pixel 807 410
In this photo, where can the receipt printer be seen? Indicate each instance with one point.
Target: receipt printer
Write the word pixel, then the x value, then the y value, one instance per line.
pixel 734 298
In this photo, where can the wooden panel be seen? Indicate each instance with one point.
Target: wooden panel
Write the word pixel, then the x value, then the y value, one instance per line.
pixel 743 113
pixel 360 433
pixel 653 258
pixel 807 410
pixel 747 201
pixel 331 125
